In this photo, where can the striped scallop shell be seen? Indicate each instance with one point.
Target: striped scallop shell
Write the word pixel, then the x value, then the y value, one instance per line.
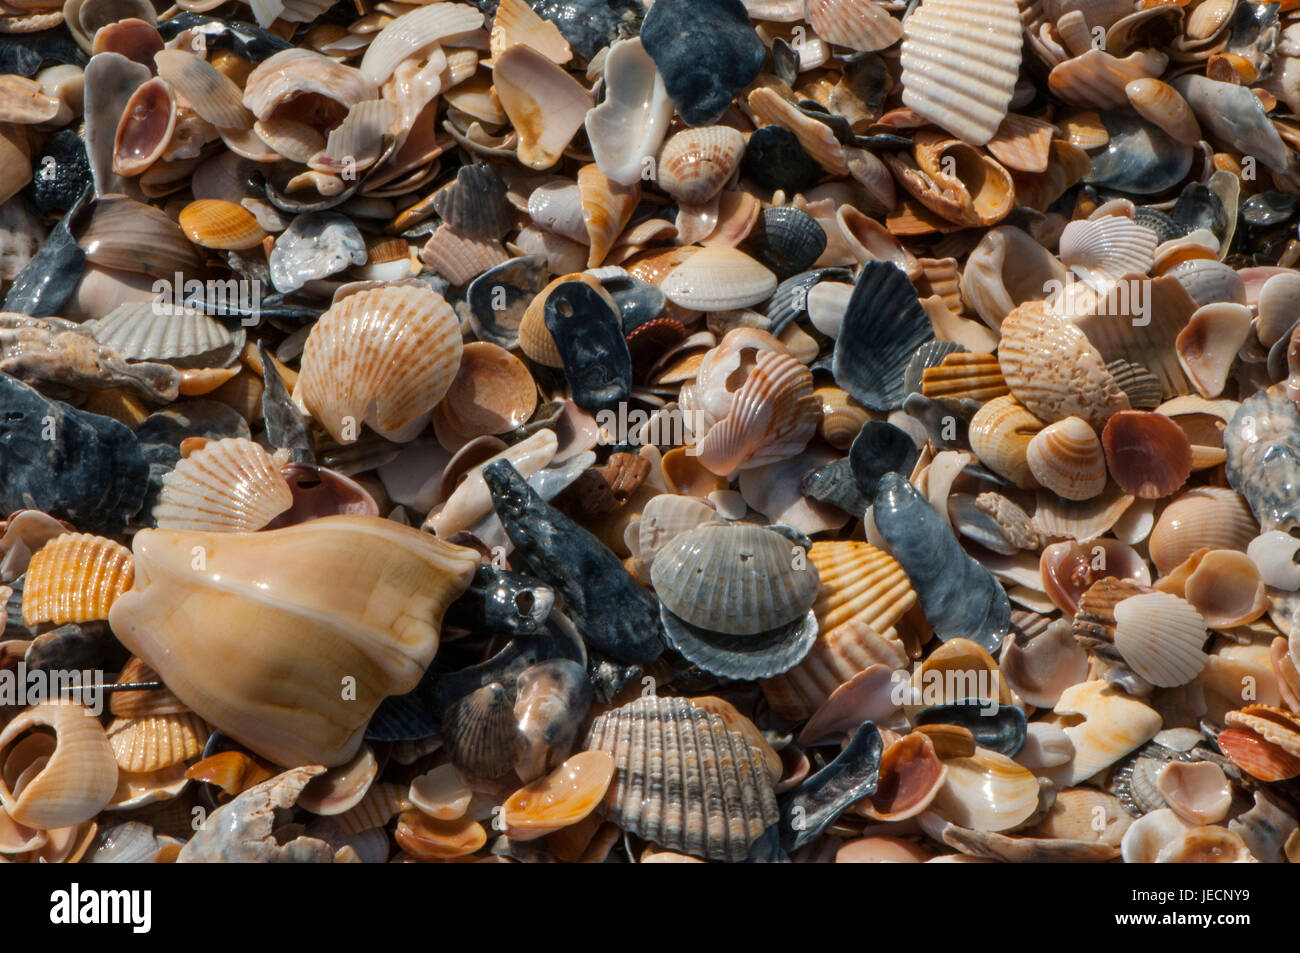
pixel 683 780
pixel 1053 370
pixel 961 59
pixel 381 803
pixel 1160 636
pixel 1067 458
pixel 157 331
pixel 458 257
pixel 695 164
pixel 382 356
pixel 736 579
pixel 75 577
pixel 773 416
pixel 861 25
pixel 230 485
pixel 1102 251
pixel 718 279
pixel 1206 517
pixel 962 374
pixel 157 741
pixel 1000 433
pixel 226 226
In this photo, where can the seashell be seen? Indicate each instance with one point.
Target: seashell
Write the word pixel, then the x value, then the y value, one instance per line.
pixel 1278 301
pixel 560 799
pixel 1070 569
pixel 1161 104
pixel 475 204
pixel 156 331
pixel 552 700
pixel 606 209
pixel 314 246
pixel 442 793
pixel 1225 587
pixel 869 362
pixel 1067 458
pixel 209 92
pixel 1072 817
pixel 695 164
pixel 866 696
pixel 1201 518
pixel 1261 442
pixel 1102 251
pixel 544 103
pixel 521 280
pixel 459 258
pixel 589 339
pixel 1257 756
pixel 305 86
pixel 1198 791
pixel 1233 115
pixel 633 119
pixel 1041 670
pixel 491 393
pixel 131 236
pixel 1097 79
pixel 344 385
pixel 1113 725
pixel 172 604
pixel 721 800
pixel 1038 350
pixel 1148 836
pixel 718 279
pixel 1160 637
pixel 987 792
pixel 1002 730
pixel 1273 554
pixel 861 25
pixel 471 500
pixel 911 778
pixel 1000 433
pixel 145 130
pixel 964 87
pixel 156 741
pixel 221 225
pixel 975 376
pixel 1208 345
pixel 360 141
pixel 229 485
pixel 70 781
pixel 667 516
pixel 1022 143
pixel 1147 453
pixel 243 829
pixel 75 577
pixel 954 180
pixel 1006 269
pixel 413 33
pixel 480 733
pixel 1206 845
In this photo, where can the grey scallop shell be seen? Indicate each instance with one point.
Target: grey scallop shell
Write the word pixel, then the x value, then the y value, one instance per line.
pixel 480 733
pixel 736 579
pixel 787 240
pixel 1142 387
pixel 929 354
pixel 475 203
pixel 883 327
pixel 158 331
pixel 683 780
pixel 752 656
pixel 790 300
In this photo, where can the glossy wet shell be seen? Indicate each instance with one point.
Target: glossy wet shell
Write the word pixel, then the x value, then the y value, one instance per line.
pixel 683 780
pixel 75 578
pixel 230 485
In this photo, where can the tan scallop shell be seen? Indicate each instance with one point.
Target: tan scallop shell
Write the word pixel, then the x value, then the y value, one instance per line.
pixel 962 374
pixel 861 25
pixel 213 223
pixel 695 164
pixel 75 578
pixel 382 356
pixel 460 258
pixel 1160 636
pixel 228 485
pixel 58 786
pixel 1147 453
pixel 1066 457
pixel 1000 433
pixel 1053 370
pixel 157 741
pixel 1202 518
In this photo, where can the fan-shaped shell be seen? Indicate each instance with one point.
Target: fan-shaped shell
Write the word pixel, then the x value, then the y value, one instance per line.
pixel 384 357
pixel 481 734
pixel 214 223
pixel 973 376
pixel 415 31
pixel 683 780
pixel 961 59
pixel 1102 251
pixel 718 279
pixel 736 579
pixel 157 331
pixel 209 92
pixel 75 578
pixel 861 25
pixel 695 164
pixel 79 774
pixel 1160 636
pixel 666 517
pixel 1205 517
pixel 230 485
pixel 1000 433
pixel 155 742
pixel 1067 458
pixel 1147 453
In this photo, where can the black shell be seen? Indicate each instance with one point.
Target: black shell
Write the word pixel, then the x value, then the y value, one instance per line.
pixel 1002 730
pixel 588 25
pixel 881 448
pixel 589 336
pixel 775 160
pixel 883 327
pixel 475 204
pixel 786 240
pixel 852 776
pixel 754 656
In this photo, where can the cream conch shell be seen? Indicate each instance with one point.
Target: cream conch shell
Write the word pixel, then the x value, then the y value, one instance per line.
pixel 288 640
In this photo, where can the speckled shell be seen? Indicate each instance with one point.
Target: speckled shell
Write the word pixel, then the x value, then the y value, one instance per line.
pixel 738 579
pixel 1067 458
pixel 383 357
pixel 695 164
pixel 157 741
pixel 230 485
pixel 683 780
pixel 75 578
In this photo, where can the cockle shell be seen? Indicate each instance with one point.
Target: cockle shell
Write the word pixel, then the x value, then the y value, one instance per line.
pixel 383 357
pixel 1113 725
pixel 718 279
pixel 862 25
pixel 1160 637
pixel 1000 434
pixel 1067 458
pixel 192 589
pixel 1205 517
pixel 75 578
pixel 1102 251
pixel 213 223
pixel 695 164
pixel 1147 453
pixel 683 779
pixel 155 742
pixel 229 485
pixel 159 331
pixel 77 777
pixel 561 798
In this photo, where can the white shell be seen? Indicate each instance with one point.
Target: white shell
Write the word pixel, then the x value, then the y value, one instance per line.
pixel 631 123
pixel 1274 555
pixel 1102 251
pixel 229 485
pixel 157 331
pixel 718 279
pixel 414 32
pixel 1160 637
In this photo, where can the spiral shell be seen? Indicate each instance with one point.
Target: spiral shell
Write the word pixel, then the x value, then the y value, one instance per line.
pixel 79 774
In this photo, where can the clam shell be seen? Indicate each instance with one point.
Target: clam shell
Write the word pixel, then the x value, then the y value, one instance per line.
pixel 633 119
pixel 155 742
pixel 734 579
pixel 213 223
pixel 1067 458
pixel 987 792
pixel 683 780
pixel 718 279
pixel 281 703
pixel 79 774
pixel 861 25
pixel 442 793
pixel 911 778
pixel 1198 792
pixel 145 129
pixel 229 485
pixel 1045 667
pixel 560 799
pixel 1147 453
pixel 480 733
pixel 1000 434
pixel 491 393
pixel 351 372
pixel 1226 588
pixel 961 59
pixel 1160 637
pixel 75 578
pixel 1205 517
pixel 695 164
pixel 545 104
pixel 1113 725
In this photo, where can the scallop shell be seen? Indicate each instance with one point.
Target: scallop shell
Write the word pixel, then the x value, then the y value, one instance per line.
pixel 961 59
pixel 683 780
pixel 560 799
pixel 1160 636
pixel 718 279
pixel 157 331
pixel 1102 251
pixel 226 226
pixel 351 372
pixel 695 164
pixel 736 579
pixel 230 485
pixel 199 615
pixel 1040 352
pixel 1275 725
pixel 545 104
pixel 79 774
pixel 987 792
pixel 1257 756
pixel 1113 725
pixel 861 25
pixel 1067 458
pixel 1000 433
pixel 974 376
pixel 155 742
pixel 1205 517
pixel 75 578
pixel 459 258
pixel 480 733
pixel 632 121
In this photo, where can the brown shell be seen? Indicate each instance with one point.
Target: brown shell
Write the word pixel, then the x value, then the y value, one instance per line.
pixel 1147 453
pixel 962 374
pixel 226 226
pixel 75 577
pixel 1067 458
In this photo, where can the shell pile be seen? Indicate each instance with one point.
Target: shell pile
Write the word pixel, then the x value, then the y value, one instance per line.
pixel 650 431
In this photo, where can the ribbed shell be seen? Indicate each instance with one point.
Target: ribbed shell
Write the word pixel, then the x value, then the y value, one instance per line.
pixel 158 741
pixel 1160 636
pixel 1000 433
pixel 210 93
pixel 960 62
pixel 230 485
pixel 1023 144
pixel 1053 370
pixel 459 258
pixel 1275 725
pixel 1067 458
pixel 695 164
pixel 290 74
pixel 480 733
pixel 75 577
pixel 718 279
pixel 381 804
pixel 413 32
pixel 1102 251
pixel 1211 517
pixel 78 780
pixel 976 376
pixel 382 356
pixel 213 223
pixel 737 579
pixel 158 331
pixel 1097 80
pixel 861 25
pixel 683 780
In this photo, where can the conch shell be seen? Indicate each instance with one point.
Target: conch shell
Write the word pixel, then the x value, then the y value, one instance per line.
pixel 288 640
